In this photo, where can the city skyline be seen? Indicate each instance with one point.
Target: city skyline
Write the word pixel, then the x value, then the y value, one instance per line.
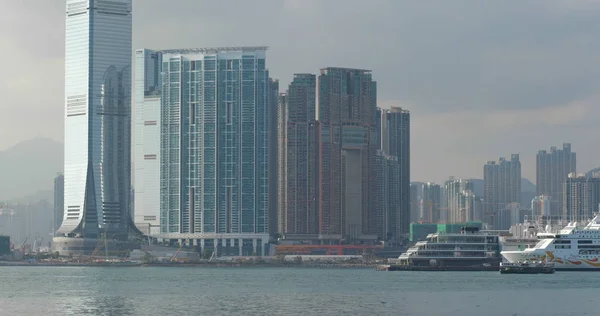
pixel 200 155
pixel 213 171
pixel 204 120
pixel 542 119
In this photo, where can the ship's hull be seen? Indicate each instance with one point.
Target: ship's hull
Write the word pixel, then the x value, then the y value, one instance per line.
pixel 562 261
pixel 460 263
pixel 396 267
pixel 526 270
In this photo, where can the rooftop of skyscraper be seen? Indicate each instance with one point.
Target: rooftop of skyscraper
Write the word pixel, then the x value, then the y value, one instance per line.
pixel 214 50
pixel 303 75
pixel 326 69
pixel 397 109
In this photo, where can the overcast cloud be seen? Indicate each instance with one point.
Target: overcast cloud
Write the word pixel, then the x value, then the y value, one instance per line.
pixel 482 79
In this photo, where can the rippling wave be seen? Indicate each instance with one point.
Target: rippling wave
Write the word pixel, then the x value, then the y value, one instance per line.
pixel 289 291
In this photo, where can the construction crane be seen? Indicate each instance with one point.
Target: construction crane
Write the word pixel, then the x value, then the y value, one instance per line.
pixel 37 243
pixel 177 252
pixel 430 205
pixel 22 249
pixel 97 249
pixel 102 244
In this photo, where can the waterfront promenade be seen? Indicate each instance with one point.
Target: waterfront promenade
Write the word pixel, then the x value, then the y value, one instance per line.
pixel 213 264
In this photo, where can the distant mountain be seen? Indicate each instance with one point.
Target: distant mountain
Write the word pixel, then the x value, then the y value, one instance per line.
pixel 29 168
pixel 528 190
pixel 41 195
pixel 526 198
pixel 527 186
pixel 477 186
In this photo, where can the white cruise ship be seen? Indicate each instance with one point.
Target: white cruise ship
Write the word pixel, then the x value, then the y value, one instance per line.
pixel 572 248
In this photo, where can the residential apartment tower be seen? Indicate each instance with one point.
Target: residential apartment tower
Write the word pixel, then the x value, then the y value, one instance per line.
pixel 552 170
pixel 213 160
pixel 397 143
pixel 347 149
pixel 300 207
pixel 502 186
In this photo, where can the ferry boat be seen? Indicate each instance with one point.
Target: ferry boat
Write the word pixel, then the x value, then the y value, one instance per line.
pixel 574 247
pixel 463 251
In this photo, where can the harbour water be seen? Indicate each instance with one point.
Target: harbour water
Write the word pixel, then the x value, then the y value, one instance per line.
pixel 290 291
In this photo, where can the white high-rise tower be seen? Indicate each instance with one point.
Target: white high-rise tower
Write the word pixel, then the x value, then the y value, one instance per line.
pixel 97 119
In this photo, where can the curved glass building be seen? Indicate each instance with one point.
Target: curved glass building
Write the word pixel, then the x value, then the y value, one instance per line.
pixel 97 119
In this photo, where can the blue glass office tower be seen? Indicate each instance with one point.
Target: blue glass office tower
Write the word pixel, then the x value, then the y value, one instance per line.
pixel 97 120
pixel 214 148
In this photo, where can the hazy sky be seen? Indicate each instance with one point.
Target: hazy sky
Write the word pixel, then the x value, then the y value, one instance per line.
pixel 482 79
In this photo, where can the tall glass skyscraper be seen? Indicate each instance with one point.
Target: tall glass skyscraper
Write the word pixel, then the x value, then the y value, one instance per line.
pixel 97 118
pixel 214 147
